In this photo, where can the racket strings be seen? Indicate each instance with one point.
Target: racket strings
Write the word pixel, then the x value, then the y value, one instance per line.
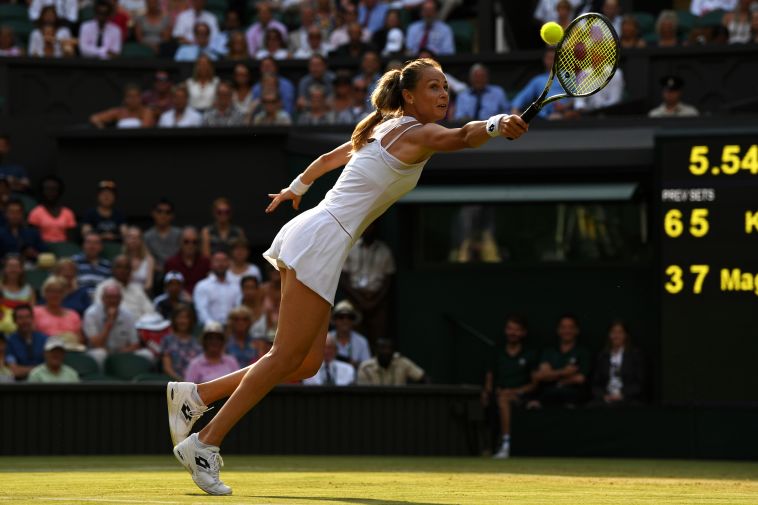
pixel 587 57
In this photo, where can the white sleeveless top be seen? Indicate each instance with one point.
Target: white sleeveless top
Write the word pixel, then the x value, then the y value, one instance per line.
pixel 371 181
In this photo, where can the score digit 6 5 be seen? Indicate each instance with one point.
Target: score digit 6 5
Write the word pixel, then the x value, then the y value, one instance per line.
pixel 673 223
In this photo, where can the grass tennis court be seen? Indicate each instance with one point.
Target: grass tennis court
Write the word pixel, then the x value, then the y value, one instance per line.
pixel 376 481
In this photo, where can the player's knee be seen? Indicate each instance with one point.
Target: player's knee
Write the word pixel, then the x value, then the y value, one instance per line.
pixel 287 360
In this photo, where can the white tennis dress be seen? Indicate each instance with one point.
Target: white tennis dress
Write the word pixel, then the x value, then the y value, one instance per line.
pixel 316 243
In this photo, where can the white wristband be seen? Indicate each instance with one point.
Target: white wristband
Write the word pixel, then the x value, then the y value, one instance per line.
pixel 493 125
pixel 298 187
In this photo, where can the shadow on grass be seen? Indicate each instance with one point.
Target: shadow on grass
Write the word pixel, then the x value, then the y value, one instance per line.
pixel 356 501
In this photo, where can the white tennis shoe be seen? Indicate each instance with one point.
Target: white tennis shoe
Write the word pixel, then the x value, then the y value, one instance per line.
pixel 203 463
pixel 184 409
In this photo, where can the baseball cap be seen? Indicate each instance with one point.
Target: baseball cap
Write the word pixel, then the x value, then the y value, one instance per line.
pixel 394 41
pixel 672 82
pixel 106 184
pixel 213 327
pixel 173 276
pixel 54 343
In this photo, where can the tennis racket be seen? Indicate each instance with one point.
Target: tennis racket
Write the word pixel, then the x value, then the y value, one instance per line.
pixel 585 60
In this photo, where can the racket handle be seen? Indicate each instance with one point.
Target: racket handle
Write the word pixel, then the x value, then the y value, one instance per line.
pixel 530 112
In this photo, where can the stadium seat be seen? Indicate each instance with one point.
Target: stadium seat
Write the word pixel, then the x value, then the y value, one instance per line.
pixel 21 27
pixel 99 377
pixel 64 249
pixel 216 5
pixel 86 13
pixel 36 277
pixel 111 250
pixel 687 21
pixel 463 31
pixel 126 366
pixel 152 377
pixel 13 11
pixel 136 50
pixel 83 363
pixel 646 22
pixel 712 18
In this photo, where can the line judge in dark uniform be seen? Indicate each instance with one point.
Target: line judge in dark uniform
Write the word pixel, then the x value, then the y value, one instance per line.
pixel 619 371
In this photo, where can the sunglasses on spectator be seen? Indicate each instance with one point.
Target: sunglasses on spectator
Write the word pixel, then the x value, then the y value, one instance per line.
pixel 343 316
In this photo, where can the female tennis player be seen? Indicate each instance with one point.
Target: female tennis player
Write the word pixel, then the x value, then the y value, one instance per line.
pixel 383 161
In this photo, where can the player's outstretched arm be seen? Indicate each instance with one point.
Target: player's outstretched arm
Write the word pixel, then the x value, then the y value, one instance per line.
pixel 321 165
pixel 435 138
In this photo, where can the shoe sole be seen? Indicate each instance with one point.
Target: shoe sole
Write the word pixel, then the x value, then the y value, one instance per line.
pixel 189 470
pixel 168 409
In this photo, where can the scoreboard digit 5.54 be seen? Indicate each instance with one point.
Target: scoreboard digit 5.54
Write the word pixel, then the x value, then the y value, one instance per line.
pixel 708 225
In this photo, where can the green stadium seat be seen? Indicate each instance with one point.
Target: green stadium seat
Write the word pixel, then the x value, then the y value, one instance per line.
pixel 136 50
pixel 463 31
pixel 29 201
pixel 216 5
pixel 21 27
pixel 99 377
pixel 713 18
pixel 13 11
pixel 646 22
pixel 84 364
pixel 64 249
pixel 86 13
pixel 687 21
pixel 153 377
pixel 36 277
pixel 126 366
pixel 111 250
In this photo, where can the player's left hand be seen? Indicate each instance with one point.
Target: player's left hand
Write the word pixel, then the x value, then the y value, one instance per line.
pixel 512 127
pixel 284 195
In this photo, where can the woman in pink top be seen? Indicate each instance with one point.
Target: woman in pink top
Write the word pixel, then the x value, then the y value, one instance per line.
pixel 213 363
pixel 54 221
pixel 52 318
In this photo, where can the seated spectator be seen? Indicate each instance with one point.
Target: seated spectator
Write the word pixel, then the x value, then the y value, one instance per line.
pixel 389 368
pixel 273 46
pixel 66 10
pixel 184 26
pixel 17 237
pixel 352 347
pixel 134 298
pixel 182 115
pixel 240 266
pixel 360 105
pixel 610 95
pixel 564 370
pixel 232 24
pixel 242 94
pixel 193 266
pixel 173 297
pixel 105 219
pixel 110 327
pixel 314 45
pixel 53 370
pixel 342 99
pixel 236 47
pixel 75 297
pixel 202 85
pixel 326 13
pixel 9 47
pixel 612 10
pixel 153 28
pixel 53 318
pixel 547 10
pixel 6 374
pixel 213 363
pixel 92 268
pixel 159 98
pixel 371 69
pixel 269 68
pixel 672 105
pixel 163 240
pixel 26 346
pixel 222 233
pixel 258 30
pixel 299 38
pixel 216 295
pixel 372 14
pixel 430 33
pixel 630 33
pixel 272 114
pixel 180 346
pixel 131 114
pixel 354 47
pixel 703 7
pixel 14 291
pixel 240 342
pixel 50 39
pixel 55 222
pixel 482 99
pixel 737 21
pixel 533 89
pixel 565 13
pixel 263 344
pixel 619 377
pixel 223 113
pixel 339 35
pixel 390 40
pixel 317 74
pixel 14 174
pixel 253 299
pixel 201 44
pixel 317 110
pixel 332 372
pixel 272 296
pixel 143 264
pixel 666 29
pixel 99 37
pixel 509 378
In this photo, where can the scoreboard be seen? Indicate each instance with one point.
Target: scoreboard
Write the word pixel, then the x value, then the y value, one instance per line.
pixel 708 223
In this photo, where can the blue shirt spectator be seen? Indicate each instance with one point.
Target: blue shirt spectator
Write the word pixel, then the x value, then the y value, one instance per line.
pixel 269 66
pixel 371 15
pixel 16 236
pixel 23 352
pixel 482 99
pixel 91 268
pixel 317 74
pixel 532 91
pixel 430 33
pixel 190 52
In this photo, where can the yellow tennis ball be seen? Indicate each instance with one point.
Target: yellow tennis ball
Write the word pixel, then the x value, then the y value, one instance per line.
pixel 551 32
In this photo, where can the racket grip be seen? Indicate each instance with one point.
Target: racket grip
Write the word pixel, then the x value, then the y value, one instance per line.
pixel 530 112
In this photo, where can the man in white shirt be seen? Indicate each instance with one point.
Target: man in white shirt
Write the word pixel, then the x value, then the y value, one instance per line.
pixel 134 298
pixel 186 20
pixel 611 94
pixel 672 105
pixel 352 347
pixel 182 115
pixel 99 38
pixel 702 7
pixel 257 31
pixel 216 295
pixel 332 372
pixel 547 10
